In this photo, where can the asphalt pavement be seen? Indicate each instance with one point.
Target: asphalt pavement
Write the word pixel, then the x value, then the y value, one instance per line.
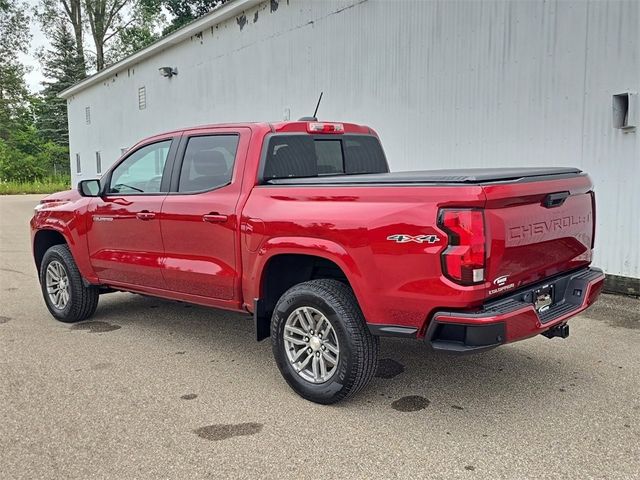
pixel 157 389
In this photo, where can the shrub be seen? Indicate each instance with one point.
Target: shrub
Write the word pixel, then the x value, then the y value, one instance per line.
pixel 18 166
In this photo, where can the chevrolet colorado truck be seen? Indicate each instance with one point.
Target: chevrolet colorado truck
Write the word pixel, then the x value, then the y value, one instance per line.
pixel 302 225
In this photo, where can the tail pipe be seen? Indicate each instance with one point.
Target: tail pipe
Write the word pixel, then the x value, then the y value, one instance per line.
pixel 561 331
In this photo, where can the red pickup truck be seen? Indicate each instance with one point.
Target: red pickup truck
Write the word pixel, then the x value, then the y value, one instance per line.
pixel 302 225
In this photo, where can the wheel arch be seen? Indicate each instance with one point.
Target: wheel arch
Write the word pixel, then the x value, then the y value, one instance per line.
pixel 283 263
pixel 43 240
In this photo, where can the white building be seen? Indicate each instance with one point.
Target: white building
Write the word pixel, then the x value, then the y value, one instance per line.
pixel 445 83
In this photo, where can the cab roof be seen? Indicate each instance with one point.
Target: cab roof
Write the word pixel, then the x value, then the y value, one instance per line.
pixel 278 127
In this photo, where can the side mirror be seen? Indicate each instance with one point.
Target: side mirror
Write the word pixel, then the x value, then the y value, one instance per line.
pixel 89 188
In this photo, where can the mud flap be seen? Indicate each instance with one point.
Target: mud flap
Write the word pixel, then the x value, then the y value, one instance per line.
pixel 261 320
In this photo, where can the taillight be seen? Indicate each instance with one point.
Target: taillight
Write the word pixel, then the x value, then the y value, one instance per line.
pixel 322 127
pixel 464 259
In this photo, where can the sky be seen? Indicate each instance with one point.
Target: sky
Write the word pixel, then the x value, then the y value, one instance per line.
pixel 34 77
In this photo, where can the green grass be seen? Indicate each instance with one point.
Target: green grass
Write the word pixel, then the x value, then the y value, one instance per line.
pixel 49 185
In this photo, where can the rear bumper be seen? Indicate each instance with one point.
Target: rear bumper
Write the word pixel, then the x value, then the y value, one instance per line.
pixel 514 317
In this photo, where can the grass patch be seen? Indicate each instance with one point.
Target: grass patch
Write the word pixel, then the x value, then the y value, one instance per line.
pixel 50 185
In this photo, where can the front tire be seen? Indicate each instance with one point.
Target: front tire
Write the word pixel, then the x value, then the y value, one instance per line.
pixel 63 289
pixel 321 343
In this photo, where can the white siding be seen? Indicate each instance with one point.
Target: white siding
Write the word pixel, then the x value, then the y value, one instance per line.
pixel 445 83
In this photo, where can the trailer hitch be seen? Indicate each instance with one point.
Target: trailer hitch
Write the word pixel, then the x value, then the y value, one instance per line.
pixel 561 331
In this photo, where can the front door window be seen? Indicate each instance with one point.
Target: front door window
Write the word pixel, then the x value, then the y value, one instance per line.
pixel 142 171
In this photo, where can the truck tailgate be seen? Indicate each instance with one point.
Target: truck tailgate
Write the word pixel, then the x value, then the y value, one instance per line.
pixel 537 229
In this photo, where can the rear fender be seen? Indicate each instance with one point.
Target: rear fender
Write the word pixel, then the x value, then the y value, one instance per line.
pixel 317 247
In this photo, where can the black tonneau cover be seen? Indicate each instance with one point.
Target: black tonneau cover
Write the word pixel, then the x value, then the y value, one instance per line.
pixel 466 175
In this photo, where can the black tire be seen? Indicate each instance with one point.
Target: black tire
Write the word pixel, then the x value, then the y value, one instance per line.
pixel 358 358
pixel 83 300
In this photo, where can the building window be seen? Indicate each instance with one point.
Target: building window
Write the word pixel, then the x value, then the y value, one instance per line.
pixel 98 163
pixel 87 115
pixel 142 98
pixel 78 165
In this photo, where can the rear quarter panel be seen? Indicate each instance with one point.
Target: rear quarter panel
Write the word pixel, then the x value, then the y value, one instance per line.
pixel 395 283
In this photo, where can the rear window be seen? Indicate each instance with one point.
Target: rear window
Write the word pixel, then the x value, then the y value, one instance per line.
pixel 295 156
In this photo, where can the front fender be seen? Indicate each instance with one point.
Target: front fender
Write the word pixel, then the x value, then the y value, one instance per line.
pixel 71 226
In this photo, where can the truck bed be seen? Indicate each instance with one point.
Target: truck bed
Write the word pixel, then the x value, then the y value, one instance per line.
pixel 449 176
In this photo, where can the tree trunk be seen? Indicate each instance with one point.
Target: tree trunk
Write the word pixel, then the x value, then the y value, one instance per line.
pixel 99 54
pixel 80 49
pixel 73 8
pixel 104 15
pixel 96 12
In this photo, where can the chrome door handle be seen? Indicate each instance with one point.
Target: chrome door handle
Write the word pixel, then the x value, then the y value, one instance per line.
pixel 145 215
pixel 214 218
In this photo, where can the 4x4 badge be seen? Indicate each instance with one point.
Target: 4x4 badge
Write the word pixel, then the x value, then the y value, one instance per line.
pixel 401 238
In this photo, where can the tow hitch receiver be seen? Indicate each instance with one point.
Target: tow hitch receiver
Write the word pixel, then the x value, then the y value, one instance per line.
pixel 543 298
pixel 561 331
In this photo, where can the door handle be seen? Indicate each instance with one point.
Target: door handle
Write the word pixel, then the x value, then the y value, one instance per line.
pixel 214 218
pixel 145 215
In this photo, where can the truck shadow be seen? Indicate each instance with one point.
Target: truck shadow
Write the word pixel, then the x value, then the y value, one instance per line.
pixel 408 368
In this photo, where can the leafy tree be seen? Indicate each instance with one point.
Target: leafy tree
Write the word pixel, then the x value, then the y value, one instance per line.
pixel 143 27
pixel 25 153
pixel 119 27
pixel 182 11
pixel 14 23
pixel 14 39
pixel 106 20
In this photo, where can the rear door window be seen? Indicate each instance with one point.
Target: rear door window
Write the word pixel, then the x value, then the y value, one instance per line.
pixel 208 163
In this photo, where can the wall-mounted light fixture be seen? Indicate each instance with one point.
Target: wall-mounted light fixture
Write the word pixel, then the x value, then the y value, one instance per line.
pixel 168 71
pixel 626 111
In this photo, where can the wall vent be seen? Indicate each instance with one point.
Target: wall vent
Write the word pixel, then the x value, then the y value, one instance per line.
pixel 78 164
pixel 142 98
pixel 98 163
pixel 87 115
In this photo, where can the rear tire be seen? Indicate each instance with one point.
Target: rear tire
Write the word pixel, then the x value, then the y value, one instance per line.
pixel 332 307
pixel 64 292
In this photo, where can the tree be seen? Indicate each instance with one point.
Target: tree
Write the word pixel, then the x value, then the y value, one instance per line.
pixel 14 39
pixel 143 27
pixel 105 20
pixel 73 9
pixel 119 27
pixel 25 154
pixel 14 28
pixel 62 68
pixel 182 11
pixel 50 11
